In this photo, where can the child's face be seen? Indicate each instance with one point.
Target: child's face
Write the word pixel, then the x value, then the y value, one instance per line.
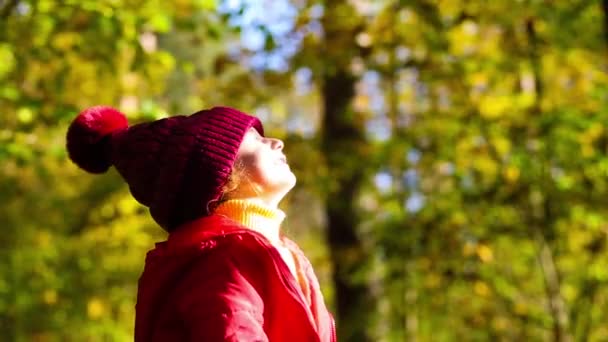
pixel 268 176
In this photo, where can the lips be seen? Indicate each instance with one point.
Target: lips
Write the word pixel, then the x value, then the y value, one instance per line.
pixel 283 159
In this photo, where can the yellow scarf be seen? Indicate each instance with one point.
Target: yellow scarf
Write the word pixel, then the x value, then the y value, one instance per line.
pixel 255 216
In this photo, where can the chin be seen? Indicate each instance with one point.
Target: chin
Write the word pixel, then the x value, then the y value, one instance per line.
pixel 292 181
pixel 285 186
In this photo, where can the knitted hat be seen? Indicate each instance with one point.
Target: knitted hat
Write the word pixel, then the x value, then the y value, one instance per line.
pixel 175 166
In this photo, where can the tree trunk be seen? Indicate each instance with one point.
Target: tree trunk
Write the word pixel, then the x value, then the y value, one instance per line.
pixel 343 145
pixel 342 141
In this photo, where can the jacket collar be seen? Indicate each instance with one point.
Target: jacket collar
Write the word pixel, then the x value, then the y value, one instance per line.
pixel 203 230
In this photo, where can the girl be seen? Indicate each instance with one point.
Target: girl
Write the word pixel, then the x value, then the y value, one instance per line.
pixel 213 181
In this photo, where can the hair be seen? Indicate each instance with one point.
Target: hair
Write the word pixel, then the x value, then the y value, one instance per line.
pixel 238 176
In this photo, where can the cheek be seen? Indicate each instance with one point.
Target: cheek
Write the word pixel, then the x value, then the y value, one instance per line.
pixel 267 172
pixel 265 169
pixel 257 168
pixel 270 172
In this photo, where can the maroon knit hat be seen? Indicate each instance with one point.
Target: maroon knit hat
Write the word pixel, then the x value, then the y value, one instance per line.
pixel 175 166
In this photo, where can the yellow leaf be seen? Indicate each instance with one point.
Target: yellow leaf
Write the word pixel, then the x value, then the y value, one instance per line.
pixel 481 289
pixel 492 107
pixel 65 40
pixel 207 4
pixel 7 59
pixel 464 38
pixel 587 150
pixel 502 145
pixel 521 308
pixel 49 296
pixel 595 130
pixel 478 79
pixel 486 165
pixel 25 115
pixel 44 238
pixel 458 218
pixel 127 205
pixel 107 210
pixel 95 308
pixel 511 173
pixel 570 292
pixel 485 253
pixel 526 100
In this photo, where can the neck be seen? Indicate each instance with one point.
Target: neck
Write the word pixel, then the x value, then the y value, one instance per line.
pixel 255 215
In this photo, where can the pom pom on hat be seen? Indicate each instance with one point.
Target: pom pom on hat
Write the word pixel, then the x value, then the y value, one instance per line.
pixel 86 143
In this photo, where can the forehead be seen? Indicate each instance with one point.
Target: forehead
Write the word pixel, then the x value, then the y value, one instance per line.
pixel 251 135
pixel 253 130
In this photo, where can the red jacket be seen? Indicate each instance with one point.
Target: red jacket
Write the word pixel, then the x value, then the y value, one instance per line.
pixel 214 280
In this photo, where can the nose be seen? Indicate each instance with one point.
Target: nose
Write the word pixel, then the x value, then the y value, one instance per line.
pixel 276 144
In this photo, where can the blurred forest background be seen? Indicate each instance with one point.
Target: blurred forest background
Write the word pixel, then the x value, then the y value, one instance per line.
pixel 451 156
